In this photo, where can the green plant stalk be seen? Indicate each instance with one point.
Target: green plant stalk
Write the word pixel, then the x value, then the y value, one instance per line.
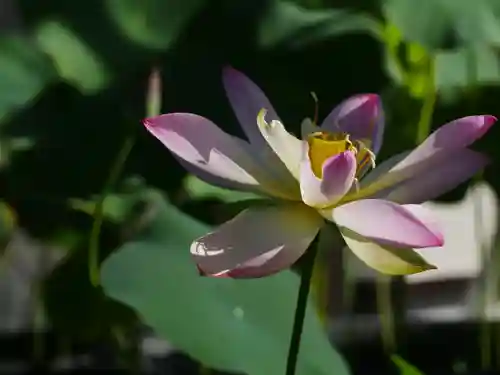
pixel 98 215
pixel 300 309
pixel 485 335
pixel 383 286
pixel 153 107
pixel 385 312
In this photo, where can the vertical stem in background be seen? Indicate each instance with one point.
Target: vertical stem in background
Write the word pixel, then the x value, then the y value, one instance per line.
pixel 385 312
pixel 383 284
pixel 300 309
pixel 485 336
pixel 429 101
pixel 153 103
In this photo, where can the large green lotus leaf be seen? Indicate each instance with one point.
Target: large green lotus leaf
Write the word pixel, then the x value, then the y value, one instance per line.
pixel 434 23
pixel 239 325
pixel 289 25
pixel 467 67
pixel 155 24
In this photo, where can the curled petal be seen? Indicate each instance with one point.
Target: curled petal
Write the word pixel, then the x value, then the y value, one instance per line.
pixel 212 154
pixel 383 258
pixel 361 116
pixel 450 137
pixel 387 223
pixel 337 179
pixel 285 145
pixel 439 179
pixel 258 242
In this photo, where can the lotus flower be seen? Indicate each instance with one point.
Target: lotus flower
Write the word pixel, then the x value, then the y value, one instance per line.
pixel 328 175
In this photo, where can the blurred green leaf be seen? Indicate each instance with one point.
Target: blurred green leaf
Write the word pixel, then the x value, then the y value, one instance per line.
pixel 404 367
pixel 467 67
pixel 8 223
pixel 75 61
pixel 116 207
pixel 433 22
pixel 155 24
pixel 24 72
pixel 287 24
pixel 240 325
pixel 199 189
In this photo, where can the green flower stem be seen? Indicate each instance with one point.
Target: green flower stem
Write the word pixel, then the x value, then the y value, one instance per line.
pixel 98 215
pixel 153 107
pixel 300 309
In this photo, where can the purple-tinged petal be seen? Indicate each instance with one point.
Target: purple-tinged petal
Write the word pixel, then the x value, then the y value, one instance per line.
pixel 383 258
pixel 422 180
pixel 257 242
pixel 360 116
pixel 247 99
pixel 438 179
pixel 215 156
pixel 383 168
pixel 449 137
pixel 386 223
pixel 337 179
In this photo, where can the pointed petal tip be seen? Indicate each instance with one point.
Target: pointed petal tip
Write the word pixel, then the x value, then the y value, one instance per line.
pixel 228 72
pixel 489 119
pixel 147 122
pixel 152 121
pixel 375 98
pixel 439 240
pixel 419 269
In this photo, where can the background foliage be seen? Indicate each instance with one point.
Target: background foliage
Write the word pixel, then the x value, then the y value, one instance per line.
pixel 73 85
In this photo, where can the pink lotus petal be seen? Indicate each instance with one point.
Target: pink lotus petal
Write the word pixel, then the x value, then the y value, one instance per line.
pixel 387 223
pixel 258 242
pixel 211 154
pixel 247 100
pixel 338 177
pixel 440 178
pixel 383 168
pixel 449 137
pixel 361 116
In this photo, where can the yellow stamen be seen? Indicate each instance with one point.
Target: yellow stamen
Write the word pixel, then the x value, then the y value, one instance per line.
pixel 324 145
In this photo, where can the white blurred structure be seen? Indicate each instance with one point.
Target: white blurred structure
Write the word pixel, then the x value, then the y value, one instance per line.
pixel 464 285
pixel 22 266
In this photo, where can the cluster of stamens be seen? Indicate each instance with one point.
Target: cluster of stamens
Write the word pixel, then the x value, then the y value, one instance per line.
pixel 341 140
